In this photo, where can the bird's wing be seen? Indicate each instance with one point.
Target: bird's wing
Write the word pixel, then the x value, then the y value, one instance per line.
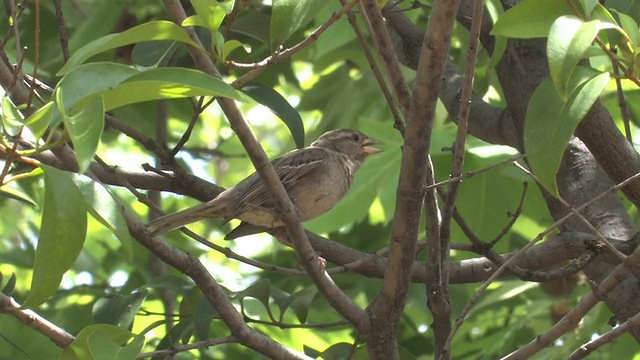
pixel 290 168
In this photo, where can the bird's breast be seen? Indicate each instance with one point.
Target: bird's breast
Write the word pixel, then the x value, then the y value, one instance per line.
pixel 323 192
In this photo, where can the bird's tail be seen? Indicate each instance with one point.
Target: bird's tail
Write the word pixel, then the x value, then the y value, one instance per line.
pixel 179 219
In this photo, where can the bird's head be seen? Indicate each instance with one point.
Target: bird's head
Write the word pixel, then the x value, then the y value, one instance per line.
pixel 354 144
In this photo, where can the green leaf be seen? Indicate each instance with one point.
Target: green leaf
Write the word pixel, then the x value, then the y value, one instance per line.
pixel 531 18
pixel 255 25
pixel 217 43
pixel 507 290
pixel 97 342
pixel 203 316
pixel 179 285
pixel 39 120
pixel 341 350
pixel 105 206
pixel 588 6
pixel 12 120
pixel 12 191
pixel 84 126
pixel 629 27
pixel 153 54
pixel 231 45
pixel 194 20
pixel 261 291
pixel 121 85
pixel 167 83
pixel 105 348
pixel 270 98
pixel 151 31
pixel 498 50
pixel 90 80
pixel 569 39
pixel 550 122
pixel 10 285
pixel 301 302
pixel 290 15
pixel 118 310
pixel 210 13
pixel 178 333
pixel 62 233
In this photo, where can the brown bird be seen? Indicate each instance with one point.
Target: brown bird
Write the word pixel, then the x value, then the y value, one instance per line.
pixel 315 177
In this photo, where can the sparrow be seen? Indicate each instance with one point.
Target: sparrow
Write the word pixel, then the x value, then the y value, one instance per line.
pixel 315 177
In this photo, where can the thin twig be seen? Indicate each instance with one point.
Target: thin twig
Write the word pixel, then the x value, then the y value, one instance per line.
pixel 261 66
pixel 64 39
pixel 376 26
pixel 622 103
pixel 477 172
pixel 197 110
pixel 398 118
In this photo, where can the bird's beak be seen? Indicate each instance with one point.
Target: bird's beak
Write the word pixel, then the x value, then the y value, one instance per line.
pixel 369 148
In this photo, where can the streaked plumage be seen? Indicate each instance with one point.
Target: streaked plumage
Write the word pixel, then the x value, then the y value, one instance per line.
pixel 315 177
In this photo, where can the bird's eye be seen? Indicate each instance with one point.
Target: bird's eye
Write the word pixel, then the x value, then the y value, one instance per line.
pixel 355 137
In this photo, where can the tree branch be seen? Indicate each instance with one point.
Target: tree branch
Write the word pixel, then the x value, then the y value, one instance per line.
pixel 56 334
pixel 216 295
pixel 307 256
pixel 388 305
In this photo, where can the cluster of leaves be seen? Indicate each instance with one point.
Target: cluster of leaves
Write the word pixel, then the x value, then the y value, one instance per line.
pixel 575 32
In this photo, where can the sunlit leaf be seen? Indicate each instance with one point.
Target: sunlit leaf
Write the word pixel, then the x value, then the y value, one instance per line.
pixel 210 12
pixel 150 31
pixel 531 18
pixel 550 122
pixel 121 85
pixel 569 38
pixel 40 119
pixel 630 27
pixel 167 83
pixel 13 192
pixel 11 118
pixel 232 45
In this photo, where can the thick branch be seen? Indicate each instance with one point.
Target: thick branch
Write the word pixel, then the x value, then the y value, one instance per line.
pixel 615 155
pixel 388 305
